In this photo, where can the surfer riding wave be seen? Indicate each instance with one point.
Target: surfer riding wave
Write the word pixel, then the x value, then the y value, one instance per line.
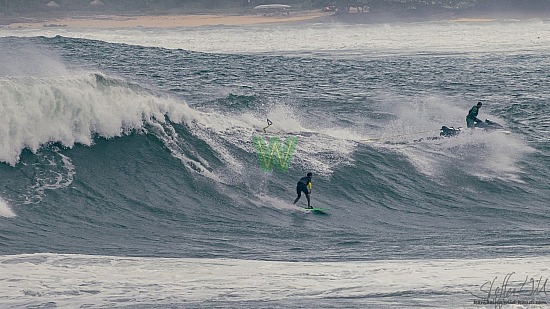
pixel 304 185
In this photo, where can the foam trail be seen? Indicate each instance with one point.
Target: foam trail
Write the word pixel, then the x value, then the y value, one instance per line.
pixel 279 203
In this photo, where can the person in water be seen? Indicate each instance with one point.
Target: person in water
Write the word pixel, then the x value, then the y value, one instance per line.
pixel 471 119
pixel 304 185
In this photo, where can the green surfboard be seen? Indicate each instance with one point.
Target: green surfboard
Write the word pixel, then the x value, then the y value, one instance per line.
pixel 317 209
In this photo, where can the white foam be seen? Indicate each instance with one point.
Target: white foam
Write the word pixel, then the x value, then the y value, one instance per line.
pixel 44 102
pixel 42 107
pixel 328 39
pixel 315 151
pixel 70 110
pixel 79 280
pixel 5 210
pixel 51 171
pixel 484 154
pixel 278 203
pixel 76 107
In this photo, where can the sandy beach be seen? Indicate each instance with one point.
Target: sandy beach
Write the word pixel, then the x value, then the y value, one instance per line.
pixel 161 21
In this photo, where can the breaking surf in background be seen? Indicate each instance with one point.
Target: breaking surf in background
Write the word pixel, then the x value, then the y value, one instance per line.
pixel 124 158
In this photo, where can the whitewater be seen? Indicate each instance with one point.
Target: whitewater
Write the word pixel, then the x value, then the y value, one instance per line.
pixel 130 177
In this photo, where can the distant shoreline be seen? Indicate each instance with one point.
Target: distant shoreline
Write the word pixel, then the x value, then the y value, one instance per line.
pixel 438 16
pixel 155 21
pixel 195 19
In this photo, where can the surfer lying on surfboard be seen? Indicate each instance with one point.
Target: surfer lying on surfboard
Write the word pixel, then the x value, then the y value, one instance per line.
pixel 304 185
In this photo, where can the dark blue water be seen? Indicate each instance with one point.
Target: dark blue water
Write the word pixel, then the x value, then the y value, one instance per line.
pixel 113 149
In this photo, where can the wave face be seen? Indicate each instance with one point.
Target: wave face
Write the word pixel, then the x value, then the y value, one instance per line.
pixel 127 150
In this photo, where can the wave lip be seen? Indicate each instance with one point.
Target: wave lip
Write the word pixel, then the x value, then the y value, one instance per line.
pixel 73 109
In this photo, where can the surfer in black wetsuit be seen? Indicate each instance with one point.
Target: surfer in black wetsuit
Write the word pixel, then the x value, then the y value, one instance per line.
pixel 471 119
pixel 304 185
